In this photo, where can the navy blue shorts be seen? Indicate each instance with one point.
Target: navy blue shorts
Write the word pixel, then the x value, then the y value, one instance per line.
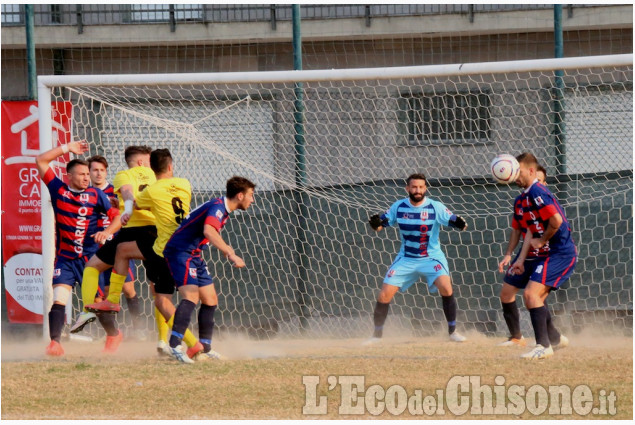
pixel 67 271
pixel 551 271
pixel 188 269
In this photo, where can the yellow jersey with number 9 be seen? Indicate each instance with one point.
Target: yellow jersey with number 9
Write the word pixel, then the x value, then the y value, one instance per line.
pixel 139 178
pixel 169 200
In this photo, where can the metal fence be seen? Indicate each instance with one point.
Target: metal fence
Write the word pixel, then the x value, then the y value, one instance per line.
pixel 115 14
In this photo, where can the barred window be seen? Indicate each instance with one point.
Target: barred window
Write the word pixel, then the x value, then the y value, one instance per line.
pixel 447 119
pixel 161 12
pixel 11 14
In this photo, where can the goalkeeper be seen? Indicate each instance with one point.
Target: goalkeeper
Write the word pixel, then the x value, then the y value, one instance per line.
pixel 419 219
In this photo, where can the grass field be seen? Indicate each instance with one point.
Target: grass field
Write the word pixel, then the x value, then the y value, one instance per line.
pixel 264 380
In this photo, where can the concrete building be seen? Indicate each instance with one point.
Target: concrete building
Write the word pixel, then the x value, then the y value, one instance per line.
pixel 104 39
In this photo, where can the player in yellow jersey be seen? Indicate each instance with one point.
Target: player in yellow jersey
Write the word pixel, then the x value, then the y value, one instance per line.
pixel 169 201
pixel 127 184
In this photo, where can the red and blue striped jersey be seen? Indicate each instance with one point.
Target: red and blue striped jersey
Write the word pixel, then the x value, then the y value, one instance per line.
pixel 76 216
pixel 518 224
pixel 532 211
pixel 104 220
pixel 189 236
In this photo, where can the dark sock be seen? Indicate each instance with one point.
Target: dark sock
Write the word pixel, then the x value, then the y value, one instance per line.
pixel 512 318
pixel 206 325
pixel 539 322
pixel 182 318
pixel 554 335
pixel 449 309
pixel 379 317
pixel 134 307
pixel 56 321
pixel 109 323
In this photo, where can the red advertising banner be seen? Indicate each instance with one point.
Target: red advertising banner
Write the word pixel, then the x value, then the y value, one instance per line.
pixel 21 204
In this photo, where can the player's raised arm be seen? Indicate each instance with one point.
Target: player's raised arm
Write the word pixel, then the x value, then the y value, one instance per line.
pixel 43 160
pixel 215 239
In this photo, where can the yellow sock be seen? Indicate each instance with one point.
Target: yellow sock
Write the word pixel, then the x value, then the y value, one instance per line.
pixel 116 286
pixel 162 327
pixel 188 337
pixel 90 283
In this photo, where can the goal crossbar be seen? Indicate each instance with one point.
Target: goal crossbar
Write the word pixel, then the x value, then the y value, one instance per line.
pixel 338 74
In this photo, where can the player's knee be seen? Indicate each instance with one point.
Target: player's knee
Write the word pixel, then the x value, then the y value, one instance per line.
pixel 508 294
pixel 531 299
pixel 385 297
pixel 445 290
pixel 96 263
pixel 444 286
pixel 61 294
pixel 122 250
pixel 209 298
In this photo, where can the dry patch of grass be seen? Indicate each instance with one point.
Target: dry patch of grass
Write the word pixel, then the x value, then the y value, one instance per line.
pixel 264 379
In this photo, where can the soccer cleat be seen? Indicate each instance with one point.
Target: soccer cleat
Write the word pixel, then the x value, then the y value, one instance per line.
pixel 194 351
pixel 513 342
pixel 104 306
pixel 371 341
pixel 457 337
pixel 564 342
pixel 163 349
pixel 112 343
pixel 54 349
pixel 83 319
pixel 538 352
pixel 80 338
pixel 178 354
pixel 208 355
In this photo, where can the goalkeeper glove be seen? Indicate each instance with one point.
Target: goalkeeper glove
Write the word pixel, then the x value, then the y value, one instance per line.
pixel 459 223
pixel 376 222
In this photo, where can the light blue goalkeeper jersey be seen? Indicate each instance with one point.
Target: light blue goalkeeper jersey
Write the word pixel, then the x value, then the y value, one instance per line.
pixel 419 226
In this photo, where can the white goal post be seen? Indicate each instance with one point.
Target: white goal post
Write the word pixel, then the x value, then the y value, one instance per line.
pixel 328 147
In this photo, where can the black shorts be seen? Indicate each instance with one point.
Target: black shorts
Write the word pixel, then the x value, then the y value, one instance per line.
pixel 144 236
pixel 157 271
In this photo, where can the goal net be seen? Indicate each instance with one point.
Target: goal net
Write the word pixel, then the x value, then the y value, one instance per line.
pixel 327 149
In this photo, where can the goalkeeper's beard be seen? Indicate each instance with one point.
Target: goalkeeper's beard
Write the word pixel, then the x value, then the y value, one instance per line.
pixel 416 197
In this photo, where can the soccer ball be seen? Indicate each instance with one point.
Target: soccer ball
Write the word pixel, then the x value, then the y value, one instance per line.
pixel 505 169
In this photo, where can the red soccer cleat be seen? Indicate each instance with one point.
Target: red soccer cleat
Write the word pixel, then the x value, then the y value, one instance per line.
pixel 104 306
pixel 193 351
pixel 112 343
pixel 54 349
